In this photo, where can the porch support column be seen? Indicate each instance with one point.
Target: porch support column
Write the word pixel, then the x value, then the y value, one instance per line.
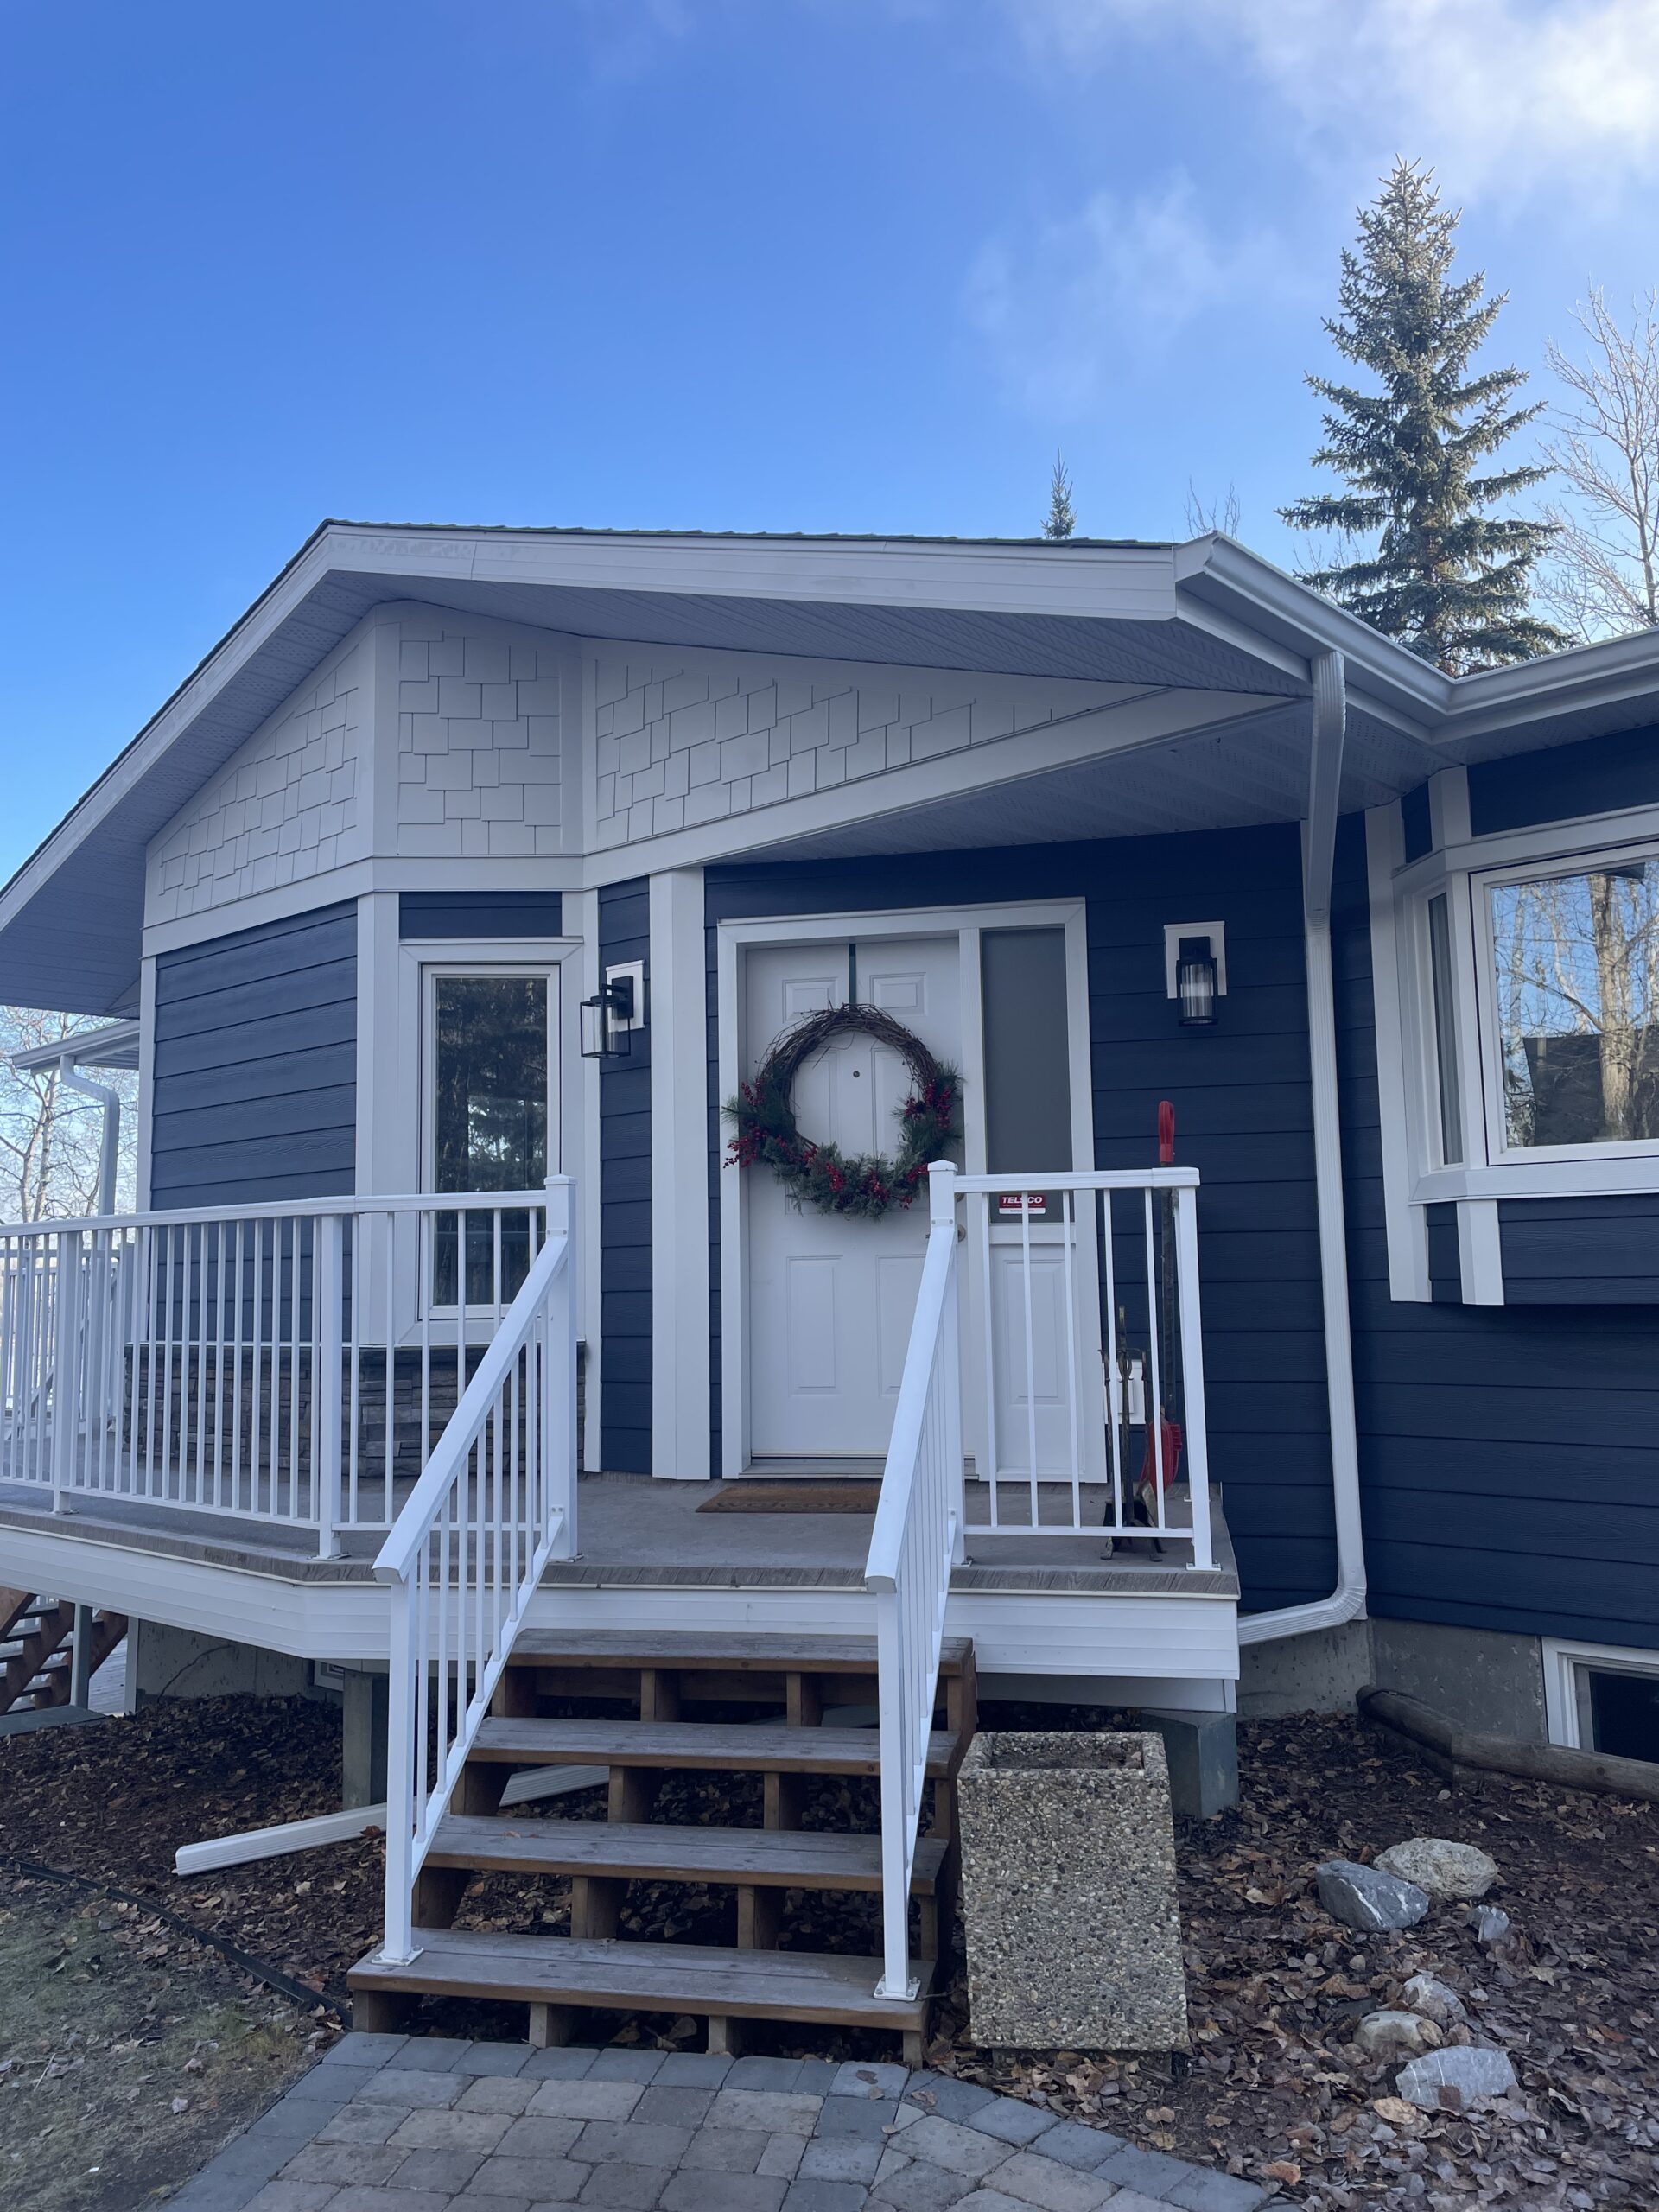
pixel 676 1011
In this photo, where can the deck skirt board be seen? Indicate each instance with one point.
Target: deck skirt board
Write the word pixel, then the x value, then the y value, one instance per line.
pixel 727 1654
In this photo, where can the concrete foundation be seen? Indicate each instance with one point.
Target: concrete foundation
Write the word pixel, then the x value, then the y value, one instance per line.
pixel 1201 1750
pixel 1322 1672
pixel 1490 1682
pixel 166 1661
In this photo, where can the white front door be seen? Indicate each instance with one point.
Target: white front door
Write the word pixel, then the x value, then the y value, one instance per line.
pixel 831 1299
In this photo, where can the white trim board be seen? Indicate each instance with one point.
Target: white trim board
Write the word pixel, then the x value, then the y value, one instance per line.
pixel 678 1014
pixel 966 922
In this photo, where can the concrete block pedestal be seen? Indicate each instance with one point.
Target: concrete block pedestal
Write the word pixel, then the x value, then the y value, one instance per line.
pixel 1068 1893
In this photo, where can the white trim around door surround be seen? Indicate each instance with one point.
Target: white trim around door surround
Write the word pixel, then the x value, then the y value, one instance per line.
pixel 965 923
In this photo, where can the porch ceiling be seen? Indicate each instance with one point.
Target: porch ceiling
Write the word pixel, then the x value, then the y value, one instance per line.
pixel 1253 770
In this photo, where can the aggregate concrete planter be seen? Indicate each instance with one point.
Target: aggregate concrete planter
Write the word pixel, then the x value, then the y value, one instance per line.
pixel 1068 1893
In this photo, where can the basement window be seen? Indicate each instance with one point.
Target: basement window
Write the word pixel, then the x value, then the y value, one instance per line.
pixel 1603 1698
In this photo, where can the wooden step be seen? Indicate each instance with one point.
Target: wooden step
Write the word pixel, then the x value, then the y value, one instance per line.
pixel 730 1747
pixel 611 1976
pixel 795 1859
pixel 760 1654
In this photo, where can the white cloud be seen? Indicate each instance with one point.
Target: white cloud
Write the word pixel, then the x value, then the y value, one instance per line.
pixel 1067 306
pixel 1499 95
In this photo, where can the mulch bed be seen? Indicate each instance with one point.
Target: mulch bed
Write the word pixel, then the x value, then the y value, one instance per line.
pixel 1273 2088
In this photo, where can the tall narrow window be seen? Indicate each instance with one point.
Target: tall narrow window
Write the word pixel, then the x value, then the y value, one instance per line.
pixel 1028 1064
pixel 1445 1037
pixel 489 1122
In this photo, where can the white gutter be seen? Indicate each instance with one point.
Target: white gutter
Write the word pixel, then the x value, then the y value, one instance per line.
pixel 1347 1601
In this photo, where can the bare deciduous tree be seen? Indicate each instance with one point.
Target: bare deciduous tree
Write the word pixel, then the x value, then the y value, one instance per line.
pixel 1603 574
pixel 50 1136
pixel 1220 515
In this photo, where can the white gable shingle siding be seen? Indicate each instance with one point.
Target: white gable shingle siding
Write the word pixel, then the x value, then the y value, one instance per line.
pixel 288 806
pixel 478 741
pixel 685 739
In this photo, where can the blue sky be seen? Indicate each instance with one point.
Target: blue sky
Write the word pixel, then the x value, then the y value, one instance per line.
pixel 837 264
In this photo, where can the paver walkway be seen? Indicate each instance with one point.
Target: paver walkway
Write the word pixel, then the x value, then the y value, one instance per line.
pixel 429 2124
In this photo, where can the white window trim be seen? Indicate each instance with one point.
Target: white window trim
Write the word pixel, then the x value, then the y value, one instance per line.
pixel 1564 1694
pixel 1413 1177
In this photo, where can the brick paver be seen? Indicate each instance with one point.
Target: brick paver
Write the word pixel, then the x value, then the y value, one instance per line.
pixel 436 2124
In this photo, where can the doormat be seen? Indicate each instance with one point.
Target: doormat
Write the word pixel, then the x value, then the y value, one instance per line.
pixel 794 1496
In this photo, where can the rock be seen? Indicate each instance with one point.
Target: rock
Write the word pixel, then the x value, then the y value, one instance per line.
pixel 1362 1898
pixel 1424 1993
pixel 1444 1869
pixel 1490 1923
pixel 1396 2035
pixel 1474 2074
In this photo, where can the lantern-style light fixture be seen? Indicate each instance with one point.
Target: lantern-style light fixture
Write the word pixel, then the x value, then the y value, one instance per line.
pixel 1195 970
pixel 1196 978
pixel 607 1019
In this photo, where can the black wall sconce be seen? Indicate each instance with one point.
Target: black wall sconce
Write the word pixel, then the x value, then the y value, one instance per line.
pixel 1195 970
pixel 614 1012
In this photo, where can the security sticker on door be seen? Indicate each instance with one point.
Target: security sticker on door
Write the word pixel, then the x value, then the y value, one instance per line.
pixel 1012 1205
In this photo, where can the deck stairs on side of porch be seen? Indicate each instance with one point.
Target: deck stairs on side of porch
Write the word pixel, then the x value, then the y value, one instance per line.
pixel 672 1686
pixel 37 1650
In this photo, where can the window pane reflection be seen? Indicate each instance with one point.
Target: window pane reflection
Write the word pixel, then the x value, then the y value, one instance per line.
pixel 489 1125
pixel 1577 977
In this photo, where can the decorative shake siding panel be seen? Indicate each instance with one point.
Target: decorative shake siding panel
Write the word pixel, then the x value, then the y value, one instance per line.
pixel 478 740
pixel 287 807
pixel 688 738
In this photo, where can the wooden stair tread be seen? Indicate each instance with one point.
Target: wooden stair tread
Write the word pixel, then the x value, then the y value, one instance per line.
pixel 739 1747
pixel 757 1653
pixel 648 1977
pixel 784 1857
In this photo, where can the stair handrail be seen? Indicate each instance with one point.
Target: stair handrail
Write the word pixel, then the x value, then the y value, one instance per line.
pixel 916 1541
pixel 495 1502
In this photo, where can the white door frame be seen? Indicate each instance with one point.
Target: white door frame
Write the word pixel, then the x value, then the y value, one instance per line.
pixel 965 923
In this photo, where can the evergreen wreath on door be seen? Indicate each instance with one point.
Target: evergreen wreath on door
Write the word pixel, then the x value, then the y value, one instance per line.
pixel 820 1175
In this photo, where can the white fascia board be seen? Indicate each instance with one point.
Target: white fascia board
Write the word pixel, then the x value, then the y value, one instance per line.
pixel 1147 718
pixel 89 1048
pixel 1495 701
pixel 1220 573
pixel 1093 582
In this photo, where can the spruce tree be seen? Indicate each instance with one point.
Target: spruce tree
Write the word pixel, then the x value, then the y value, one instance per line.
pixel 1062 515
pixel 1448 578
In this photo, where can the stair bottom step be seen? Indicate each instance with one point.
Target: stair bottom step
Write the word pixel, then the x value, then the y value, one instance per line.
pixel 616 1976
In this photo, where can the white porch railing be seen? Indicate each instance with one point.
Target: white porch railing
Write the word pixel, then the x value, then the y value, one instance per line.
pixel 1077 1315
pixel 183 1360
pixel 917 1537
pixel 496 1501
pixel 1085 1334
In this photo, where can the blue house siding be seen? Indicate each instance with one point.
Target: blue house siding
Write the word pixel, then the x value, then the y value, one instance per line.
pixel 1582 1251
pixel 479 913
pixel 625 1205
pixel 1597 776
pixel 1510 1474
pixel 1243 1119
pixel 256 1065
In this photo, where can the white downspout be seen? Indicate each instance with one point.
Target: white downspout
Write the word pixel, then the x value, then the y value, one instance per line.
pixel 109 1150
pixel 1347 1601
